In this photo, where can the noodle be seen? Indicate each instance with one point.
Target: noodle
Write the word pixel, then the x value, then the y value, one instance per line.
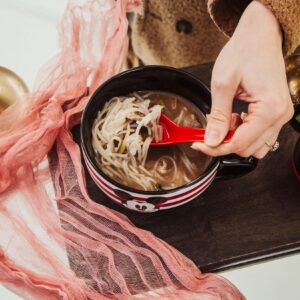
pixel 121 137
pixel 122 134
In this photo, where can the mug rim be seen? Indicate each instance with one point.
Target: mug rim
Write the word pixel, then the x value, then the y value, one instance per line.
pixel 209 168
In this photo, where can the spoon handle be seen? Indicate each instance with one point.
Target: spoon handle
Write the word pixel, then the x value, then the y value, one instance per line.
pixel 175 134
pixel 193 135
pixel 189 135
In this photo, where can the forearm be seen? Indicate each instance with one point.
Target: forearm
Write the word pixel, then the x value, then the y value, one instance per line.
pixel 262 22
pixel 226 14
pixel 250 67
pixel 288 15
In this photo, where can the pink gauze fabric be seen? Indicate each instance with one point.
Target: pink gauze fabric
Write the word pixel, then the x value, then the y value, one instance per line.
pixel 108 257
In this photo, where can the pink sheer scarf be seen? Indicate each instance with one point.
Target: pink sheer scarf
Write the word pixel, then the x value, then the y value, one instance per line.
pixel 113 258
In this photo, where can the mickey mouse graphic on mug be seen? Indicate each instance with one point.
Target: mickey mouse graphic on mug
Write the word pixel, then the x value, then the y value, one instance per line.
pixel 152 204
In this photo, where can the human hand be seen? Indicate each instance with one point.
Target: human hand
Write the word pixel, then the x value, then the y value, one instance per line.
pixel 251 68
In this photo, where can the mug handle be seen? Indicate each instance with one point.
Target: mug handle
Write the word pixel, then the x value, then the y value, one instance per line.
pixel 232 166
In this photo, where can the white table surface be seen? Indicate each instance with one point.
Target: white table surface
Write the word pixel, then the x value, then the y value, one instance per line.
pixel 28 39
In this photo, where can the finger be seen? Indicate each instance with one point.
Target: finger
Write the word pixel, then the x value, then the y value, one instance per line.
pixel 245 97
pixel 223 92
pixel 243 142
pixel 259 143
pixel 265 149
pixel 262 152
pixel 251 136
pixel 246 151
pixel 241 94
pixel 236 121
pixel 221 150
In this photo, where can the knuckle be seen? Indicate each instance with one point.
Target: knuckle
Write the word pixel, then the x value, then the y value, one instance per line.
pixel 219 84
pixel 282 108
pixel 218 115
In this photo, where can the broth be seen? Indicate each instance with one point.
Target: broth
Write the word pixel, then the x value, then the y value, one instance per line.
pixel 183 113
pixel 163 167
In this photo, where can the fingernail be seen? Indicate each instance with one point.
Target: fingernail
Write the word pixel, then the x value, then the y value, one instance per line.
pixel 212 138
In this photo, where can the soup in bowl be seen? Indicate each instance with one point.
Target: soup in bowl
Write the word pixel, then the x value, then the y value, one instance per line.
pixel 122 134
pixel 122 119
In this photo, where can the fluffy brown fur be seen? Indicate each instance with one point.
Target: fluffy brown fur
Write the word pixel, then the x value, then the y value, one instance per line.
pixel 155 39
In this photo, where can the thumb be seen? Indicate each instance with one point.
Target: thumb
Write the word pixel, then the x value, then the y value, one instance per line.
pixel 219 119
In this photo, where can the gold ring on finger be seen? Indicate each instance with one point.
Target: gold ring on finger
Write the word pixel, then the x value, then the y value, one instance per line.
pixel 273 147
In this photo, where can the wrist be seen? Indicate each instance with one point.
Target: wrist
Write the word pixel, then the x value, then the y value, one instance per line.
pixel 260 20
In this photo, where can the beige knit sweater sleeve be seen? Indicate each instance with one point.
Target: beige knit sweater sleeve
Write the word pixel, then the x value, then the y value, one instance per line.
pixel 226 14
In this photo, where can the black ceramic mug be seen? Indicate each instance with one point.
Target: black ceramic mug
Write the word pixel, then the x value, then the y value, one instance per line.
pixel 164 79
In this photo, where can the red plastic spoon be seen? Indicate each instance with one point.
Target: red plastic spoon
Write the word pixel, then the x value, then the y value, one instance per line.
pixel 175 134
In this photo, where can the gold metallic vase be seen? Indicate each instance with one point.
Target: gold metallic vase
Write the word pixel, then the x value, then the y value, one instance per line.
pixel 12 87
pixel 292 63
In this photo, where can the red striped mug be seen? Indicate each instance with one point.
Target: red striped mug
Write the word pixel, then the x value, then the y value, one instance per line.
pixel 160 79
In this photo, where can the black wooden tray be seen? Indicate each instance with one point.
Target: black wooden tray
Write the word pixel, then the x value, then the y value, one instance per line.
pixel 236 221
